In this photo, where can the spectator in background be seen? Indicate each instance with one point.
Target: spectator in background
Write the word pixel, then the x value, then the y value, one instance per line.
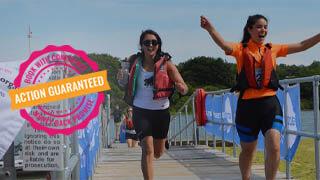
pixel 117 122
pixel 131 136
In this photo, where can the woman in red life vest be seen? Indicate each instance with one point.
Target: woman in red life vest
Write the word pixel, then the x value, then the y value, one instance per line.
pixel 258 107
pixel 152 79
pixel 131 136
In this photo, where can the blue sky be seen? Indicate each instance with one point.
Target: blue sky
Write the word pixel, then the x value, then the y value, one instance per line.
pixel 114 27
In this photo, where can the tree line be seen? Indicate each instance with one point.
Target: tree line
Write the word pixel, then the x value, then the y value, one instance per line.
pixel 209 73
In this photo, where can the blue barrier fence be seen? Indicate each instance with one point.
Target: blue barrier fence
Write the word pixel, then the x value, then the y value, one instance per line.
pixel 221 110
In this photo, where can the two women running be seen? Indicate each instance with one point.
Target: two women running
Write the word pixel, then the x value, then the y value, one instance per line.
pixel 153 77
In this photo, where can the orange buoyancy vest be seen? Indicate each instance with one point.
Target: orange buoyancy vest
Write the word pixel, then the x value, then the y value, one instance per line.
pixel 163 86
pixel 247 76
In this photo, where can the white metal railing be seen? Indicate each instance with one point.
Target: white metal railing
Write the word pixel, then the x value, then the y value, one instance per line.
pixel 175 132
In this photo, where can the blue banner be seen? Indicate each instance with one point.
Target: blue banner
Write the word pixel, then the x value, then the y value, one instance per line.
pixel 89 143
pixel 214 113
pixel 294 121
pixel 229 105
pixel 122 134
pixel 222 108
pixel 83 150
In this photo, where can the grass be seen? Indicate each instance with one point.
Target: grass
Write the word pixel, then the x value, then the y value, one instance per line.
pixel 302 166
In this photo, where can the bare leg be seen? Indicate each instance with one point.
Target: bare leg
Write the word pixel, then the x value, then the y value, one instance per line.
pixel 272 157
pixel 134 143
pixel 158 145
pixel 129 143
pixel 117 126
pixel 245 158
pixel 147 157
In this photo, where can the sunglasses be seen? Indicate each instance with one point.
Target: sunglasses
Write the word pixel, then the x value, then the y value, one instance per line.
pixel 150 42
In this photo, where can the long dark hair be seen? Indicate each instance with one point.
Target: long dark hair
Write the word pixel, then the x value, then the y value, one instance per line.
pixel 250 22
pixel 149 31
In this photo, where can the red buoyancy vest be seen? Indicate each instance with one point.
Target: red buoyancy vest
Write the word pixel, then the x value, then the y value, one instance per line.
pixel 247 76
pixel 200 108
pixel 129 123
pixel 162 84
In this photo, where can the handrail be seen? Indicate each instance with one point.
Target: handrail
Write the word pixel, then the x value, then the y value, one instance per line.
pixel 218 91
pixel 187 101
pixel 178 133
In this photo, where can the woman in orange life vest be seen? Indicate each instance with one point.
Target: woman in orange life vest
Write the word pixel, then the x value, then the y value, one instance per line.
pixel 258 108
pixel 131 136
pixel 152 79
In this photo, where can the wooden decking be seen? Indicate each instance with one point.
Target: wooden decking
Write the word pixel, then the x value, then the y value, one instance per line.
pixel 179 163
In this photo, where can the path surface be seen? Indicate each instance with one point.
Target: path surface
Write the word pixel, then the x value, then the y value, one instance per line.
pixel 179 163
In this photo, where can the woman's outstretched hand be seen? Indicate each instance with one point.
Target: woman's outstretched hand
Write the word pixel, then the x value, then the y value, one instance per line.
pixel 205 23
pixel 216 37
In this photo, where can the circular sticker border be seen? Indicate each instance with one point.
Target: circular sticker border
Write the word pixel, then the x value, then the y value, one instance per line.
pixel 81 54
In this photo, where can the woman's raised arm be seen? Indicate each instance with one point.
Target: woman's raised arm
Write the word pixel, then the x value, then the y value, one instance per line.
pixel 217 38
pixel 303 45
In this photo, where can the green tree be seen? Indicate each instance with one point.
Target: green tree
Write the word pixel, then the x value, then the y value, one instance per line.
pixel 203 71
pixel 111 64
pixel 208 73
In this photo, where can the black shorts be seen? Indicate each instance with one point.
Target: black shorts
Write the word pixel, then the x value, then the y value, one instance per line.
pixel 153 123
pixel 254 115
pixel 131 136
